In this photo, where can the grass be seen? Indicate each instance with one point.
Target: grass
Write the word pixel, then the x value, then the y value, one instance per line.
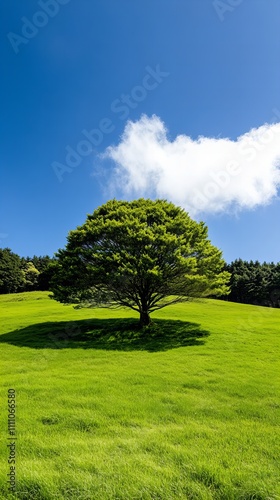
pixel 186 410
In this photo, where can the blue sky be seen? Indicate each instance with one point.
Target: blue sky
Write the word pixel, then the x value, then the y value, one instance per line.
pixel 167 87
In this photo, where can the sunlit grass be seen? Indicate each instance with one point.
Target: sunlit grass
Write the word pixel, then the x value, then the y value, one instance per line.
pixel 189 410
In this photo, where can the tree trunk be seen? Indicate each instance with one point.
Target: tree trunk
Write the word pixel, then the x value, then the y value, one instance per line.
pixel 145 319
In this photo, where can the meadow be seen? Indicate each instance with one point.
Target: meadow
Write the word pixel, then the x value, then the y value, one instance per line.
pixel 188 409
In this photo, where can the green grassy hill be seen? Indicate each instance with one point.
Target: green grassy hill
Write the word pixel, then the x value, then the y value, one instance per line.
pixel 188 411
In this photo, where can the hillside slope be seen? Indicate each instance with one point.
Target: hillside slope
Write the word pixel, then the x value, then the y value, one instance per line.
pixel 187 410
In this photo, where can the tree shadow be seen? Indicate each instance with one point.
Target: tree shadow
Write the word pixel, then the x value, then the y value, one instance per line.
pixel 108 334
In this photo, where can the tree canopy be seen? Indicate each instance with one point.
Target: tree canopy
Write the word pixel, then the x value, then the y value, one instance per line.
pixel 21 274
pixel 11 274
pixel 141 254
pixel 254 283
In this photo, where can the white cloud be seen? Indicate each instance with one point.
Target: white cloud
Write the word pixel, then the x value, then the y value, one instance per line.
pixel 203 175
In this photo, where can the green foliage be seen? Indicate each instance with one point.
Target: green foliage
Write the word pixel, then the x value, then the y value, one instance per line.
pixel 31 276
pixel 20 274
pixel 142 254
pixel 44 265
pixel 11 274
pixel 46 275
pixel 254 283
pixel 41 263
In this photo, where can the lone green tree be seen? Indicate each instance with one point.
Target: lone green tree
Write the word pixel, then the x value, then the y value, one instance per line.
pixel 141 254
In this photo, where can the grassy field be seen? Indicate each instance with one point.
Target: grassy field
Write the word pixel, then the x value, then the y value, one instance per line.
pixel 189 410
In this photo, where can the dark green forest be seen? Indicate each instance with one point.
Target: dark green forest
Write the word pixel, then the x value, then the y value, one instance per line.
pixel 24 274
pixel 251 282
pixel 254 283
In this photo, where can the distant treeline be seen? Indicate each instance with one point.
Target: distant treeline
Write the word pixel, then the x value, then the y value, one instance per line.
pixel 254 283
pixel 250 283
pixel 24 274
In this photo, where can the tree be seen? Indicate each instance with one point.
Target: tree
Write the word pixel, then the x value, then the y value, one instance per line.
pixel 44 266
pixel 11 274
pixel 254 283
pixel 31 276
pixel 41 263
pixel 274 286
pixel 46 275
pixel 142 254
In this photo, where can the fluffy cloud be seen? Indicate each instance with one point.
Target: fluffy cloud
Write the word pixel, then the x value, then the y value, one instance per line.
pixel 202 175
